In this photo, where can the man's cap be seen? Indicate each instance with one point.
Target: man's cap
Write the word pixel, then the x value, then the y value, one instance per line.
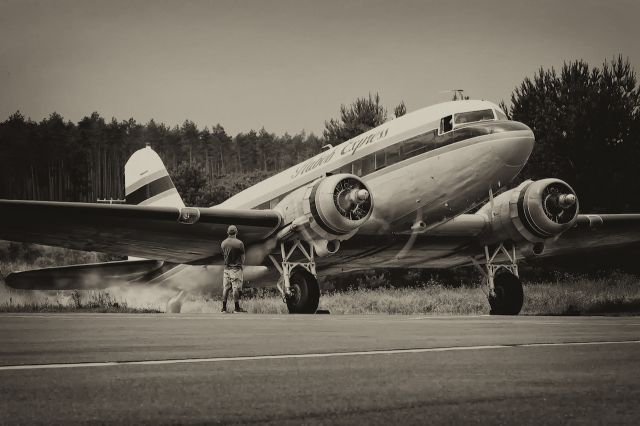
pixel 232 230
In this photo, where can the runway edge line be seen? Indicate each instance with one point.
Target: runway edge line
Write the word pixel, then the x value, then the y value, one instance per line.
pixel 302 356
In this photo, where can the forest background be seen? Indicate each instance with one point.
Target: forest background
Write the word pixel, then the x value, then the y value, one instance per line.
pixel 586 121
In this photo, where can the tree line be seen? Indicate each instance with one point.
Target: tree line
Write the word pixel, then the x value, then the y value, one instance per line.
pixel 55 159
pixel 586 121
pixel 587 126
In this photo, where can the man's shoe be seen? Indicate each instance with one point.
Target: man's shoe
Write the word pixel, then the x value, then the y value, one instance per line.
pixel 224 311
pixel 239 310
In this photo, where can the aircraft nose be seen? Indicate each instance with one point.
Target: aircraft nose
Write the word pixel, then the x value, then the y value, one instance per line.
pixel 515 150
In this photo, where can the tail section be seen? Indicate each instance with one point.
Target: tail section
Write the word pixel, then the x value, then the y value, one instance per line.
pixel 147 181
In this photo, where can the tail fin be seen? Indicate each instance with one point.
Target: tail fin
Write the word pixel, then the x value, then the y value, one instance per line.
pixel 147 181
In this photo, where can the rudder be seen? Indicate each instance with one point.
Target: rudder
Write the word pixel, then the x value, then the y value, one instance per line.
pixel 147 181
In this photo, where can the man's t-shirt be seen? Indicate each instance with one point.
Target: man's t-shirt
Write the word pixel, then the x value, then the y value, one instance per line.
pixel 233 251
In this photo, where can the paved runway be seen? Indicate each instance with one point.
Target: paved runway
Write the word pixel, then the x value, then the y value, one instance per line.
pixel 323 369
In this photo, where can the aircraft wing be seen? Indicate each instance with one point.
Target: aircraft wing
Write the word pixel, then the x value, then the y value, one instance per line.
pixel 455 243
pixel 597 232
pixel 180 235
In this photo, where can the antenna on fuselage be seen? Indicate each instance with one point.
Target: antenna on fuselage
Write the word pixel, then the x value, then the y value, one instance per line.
pixel 458 94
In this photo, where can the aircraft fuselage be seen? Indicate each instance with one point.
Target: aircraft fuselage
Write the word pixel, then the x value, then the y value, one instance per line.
pixel 430 165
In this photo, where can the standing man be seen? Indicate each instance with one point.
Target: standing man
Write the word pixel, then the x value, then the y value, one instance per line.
pixel 233 251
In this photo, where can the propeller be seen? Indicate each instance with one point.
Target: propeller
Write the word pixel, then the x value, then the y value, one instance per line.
pixel 352 199
pixel 418 227
pixel 559 206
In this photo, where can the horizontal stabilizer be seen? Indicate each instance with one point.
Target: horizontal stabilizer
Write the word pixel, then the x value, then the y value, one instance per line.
pixel 93 276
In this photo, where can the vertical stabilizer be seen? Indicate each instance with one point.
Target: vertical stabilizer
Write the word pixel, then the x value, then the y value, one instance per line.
pixel 147 181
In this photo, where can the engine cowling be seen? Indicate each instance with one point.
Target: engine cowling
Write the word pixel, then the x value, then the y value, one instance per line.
pixel 335 206
pixel 534 211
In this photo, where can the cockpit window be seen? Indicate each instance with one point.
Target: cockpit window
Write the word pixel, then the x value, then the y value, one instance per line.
pixel 501 115
pixel 470 117
pixel 446 124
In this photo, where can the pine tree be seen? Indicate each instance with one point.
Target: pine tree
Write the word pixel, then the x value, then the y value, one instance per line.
pixel 362 115
pixel 400 110
pixel 587 127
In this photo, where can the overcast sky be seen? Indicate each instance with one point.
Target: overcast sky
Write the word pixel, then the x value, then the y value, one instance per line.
pixel 287 65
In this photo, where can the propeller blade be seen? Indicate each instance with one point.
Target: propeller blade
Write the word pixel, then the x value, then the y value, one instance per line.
pixel 416 228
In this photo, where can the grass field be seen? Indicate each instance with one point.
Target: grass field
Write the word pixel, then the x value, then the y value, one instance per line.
pixel 615 294
pixel 71 301
pixel 612 293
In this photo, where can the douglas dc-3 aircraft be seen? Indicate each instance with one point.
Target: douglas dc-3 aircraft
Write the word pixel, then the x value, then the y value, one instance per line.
pixel 397 196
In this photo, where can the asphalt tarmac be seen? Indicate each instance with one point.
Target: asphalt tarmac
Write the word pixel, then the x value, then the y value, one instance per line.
pixel 322 369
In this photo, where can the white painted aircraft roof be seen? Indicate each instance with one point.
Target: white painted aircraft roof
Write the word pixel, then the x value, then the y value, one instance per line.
pixel 283 180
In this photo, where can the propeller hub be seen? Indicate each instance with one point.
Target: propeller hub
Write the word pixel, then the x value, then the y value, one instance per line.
pixel 352 198
pixel 566 200
pixel 360 196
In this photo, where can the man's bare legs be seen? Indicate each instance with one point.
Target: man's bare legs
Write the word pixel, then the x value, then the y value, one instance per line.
pixel 225 296
pixel 236 300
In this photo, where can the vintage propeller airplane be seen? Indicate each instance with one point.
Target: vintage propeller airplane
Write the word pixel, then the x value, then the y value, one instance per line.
pixel 397 196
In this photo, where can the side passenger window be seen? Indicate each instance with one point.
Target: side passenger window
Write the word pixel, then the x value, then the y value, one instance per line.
pixel 357 168
pixel 368 164
pixel 393 154
pixel 344 169
pixel 381 159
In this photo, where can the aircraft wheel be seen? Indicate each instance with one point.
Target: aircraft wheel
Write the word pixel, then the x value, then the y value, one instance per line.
pixel 305 292
pixel 509 295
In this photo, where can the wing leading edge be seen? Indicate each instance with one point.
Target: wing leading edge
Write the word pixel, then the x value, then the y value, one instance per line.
pixel 181 235
pixel 457 241
pixel 597 232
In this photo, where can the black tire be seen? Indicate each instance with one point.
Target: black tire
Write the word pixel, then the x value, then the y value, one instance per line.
pixel 509 295
pixel 305 292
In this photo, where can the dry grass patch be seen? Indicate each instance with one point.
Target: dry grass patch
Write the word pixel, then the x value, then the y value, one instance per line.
pixel 12 300
pixel 614 294
pixel 428 300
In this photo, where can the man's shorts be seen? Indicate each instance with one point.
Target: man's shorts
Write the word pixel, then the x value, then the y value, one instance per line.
pixel 232 278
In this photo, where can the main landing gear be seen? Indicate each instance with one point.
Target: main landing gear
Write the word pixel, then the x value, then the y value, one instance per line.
pixel 504 286
pixel 298 283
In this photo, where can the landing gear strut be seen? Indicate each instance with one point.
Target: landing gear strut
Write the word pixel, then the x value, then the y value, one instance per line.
pixel 504 286
pixel 298 284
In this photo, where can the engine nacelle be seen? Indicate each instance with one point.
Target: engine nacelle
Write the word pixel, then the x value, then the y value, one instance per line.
pixel 335 206
pixel 534 212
